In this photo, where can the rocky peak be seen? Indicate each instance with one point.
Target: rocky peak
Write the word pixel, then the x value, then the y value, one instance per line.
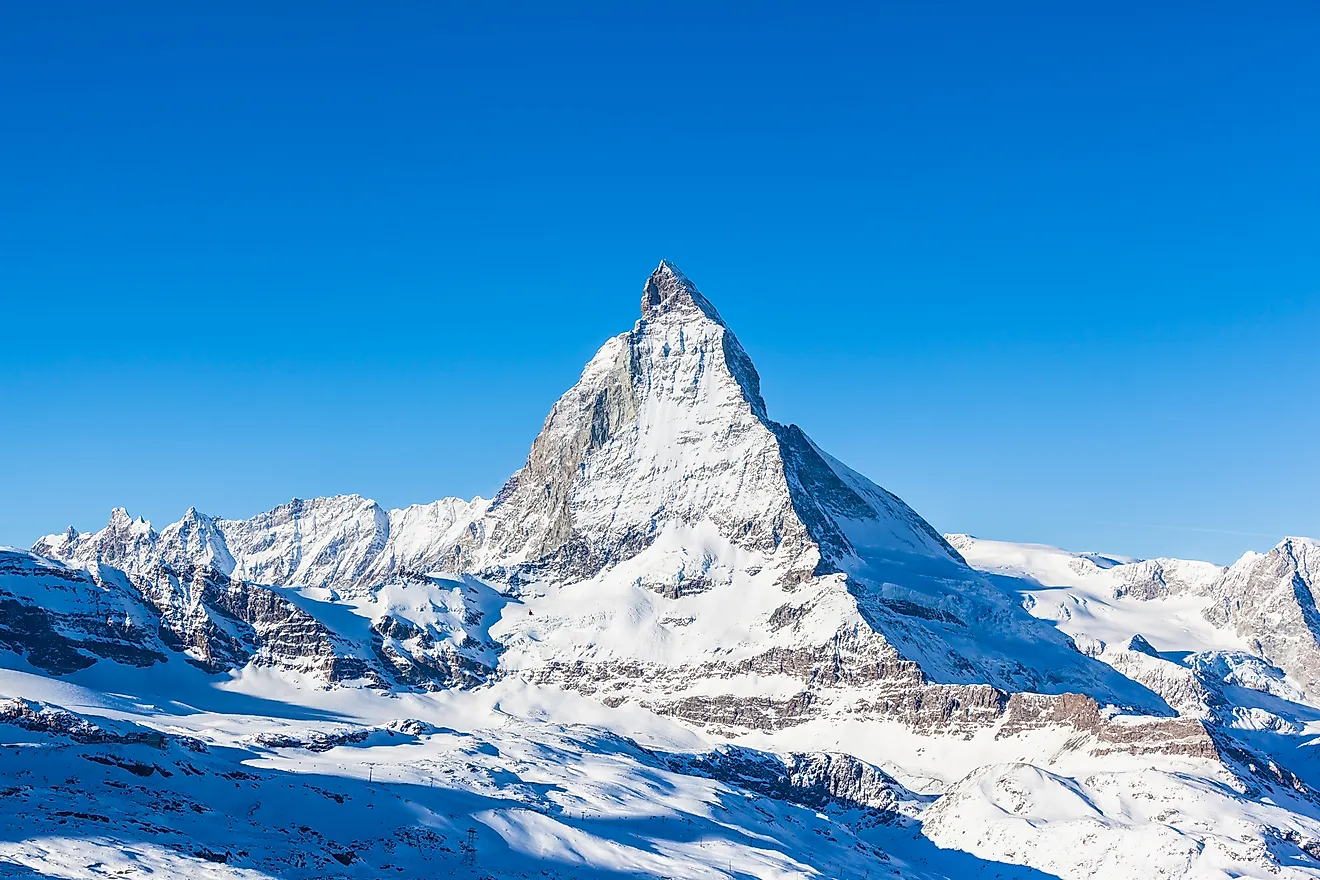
pixel 121 520
pixel 1139 644
pixel 680 329
pixel 1269 599
pixel 195 540
pixel 668 293
pixel 124 540
pixel 667 429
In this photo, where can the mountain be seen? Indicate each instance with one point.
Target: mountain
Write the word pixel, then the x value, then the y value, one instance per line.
pixel 682 640
pixel 64 619
pixel 1261 606
pixel 667 430
pixel 1269 601
pixel 326 543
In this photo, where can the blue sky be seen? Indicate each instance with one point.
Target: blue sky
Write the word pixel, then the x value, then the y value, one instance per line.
pixel 1050 273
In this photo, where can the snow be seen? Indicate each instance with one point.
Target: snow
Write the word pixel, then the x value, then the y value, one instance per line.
pixel 569 800
pixel 1138 823
pixel 1078 595
pixel 574 799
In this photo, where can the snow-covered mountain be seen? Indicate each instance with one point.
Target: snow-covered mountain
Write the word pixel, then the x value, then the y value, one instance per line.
pixel 338 543
pixel 682 640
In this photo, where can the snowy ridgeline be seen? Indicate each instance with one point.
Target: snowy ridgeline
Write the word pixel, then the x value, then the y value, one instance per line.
pixel 682 641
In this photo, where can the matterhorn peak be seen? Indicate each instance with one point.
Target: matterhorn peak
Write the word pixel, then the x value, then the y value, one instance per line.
pixel 665 433
pixel 669 292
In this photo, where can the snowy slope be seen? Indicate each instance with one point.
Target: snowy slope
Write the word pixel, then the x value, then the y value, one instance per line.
pixel 364 786
pixel 1095 598
pixel 1253 620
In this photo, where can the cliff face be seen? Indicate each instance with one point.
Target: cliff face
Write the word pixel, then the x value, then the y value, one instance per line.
pixel 667 428
pixel 1269 600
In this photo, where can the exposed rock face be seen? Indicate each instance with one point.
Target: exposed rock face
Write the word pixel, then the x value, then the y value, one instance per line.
pixel 61 619
pixel 1219 669
pixel 820 780
pixel 433 633
pixel 714 565
pixel 224 623
pixel 667 426
pixel 1266 599
pixel 125 543
pixel 1155 578
pixel 1186 692
pixel 1269 600
pixel 37 717
pixel 227 593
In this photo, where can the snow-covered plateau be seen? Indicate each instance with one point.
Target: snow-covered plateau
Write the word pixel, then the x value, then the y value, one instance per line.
pixel 681 641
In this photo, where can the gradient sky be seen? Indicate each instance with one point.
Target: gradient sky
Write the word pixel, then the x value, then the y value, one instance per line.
pixel 1050 273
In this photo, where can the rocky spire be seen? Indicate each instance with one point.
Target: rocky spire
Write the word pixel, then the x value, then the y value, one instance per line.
pixel 669 292
pixel 667 429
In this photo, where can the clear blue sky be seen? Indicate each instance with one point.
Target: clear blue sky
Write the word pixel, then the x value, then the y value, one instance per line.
pixel 1050 273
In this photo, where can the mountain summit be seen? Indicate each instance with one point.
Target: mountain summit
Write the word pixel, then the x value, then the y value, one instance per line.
pixel 667 429
pixel 668 291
